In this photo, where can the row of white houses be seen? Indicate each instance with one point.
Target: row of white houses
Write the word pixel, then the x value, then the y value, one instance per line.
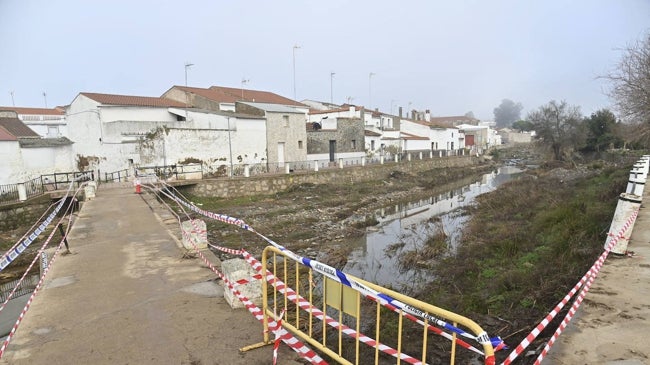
pixel 218 127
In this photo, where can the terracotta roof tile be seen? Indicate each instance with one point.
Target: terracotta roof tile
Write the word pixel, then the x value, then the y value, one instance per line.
pixel 131 100
pixel 17 128
pixel 6 136
pixel 34 111
pixel 231 94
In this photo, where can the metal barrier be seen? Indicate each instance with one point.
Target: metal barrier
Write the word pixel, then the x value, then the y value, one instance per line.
pixel 119 176
pixel 178 172
pixel 60 180
pixel 338 307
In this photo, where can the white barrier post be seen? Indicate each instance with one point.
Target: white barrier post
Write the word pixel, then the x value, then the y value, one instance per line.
pixel 431 154
pixel 340 163
pixel 316 166
pixel 408 157
pixel 381 159
pixel 396 158
pixel 363 161
pixel 287 168
pixel 247 171
pixel 22 192
pixel 627 205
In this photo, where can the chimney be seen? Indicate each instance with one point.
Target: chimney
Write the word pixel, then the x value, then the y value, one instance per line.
pixel 400 111
pixel 427 115
pixel 413 114
pixel 351 111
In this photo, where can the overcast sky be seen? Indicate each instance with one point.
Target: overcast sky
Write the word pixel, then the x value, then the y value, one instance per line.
pixel 447 56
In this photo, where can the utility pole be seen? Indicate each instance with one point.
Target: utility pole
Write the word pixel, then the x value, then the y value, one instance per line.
pixel 295 47
pixel 370 75
pixel 332 87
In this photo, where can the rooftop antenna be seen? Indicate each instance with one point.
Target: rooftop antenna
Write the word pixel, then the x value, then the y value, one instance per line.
pixel 12 98
pixel 243 82
pixel 45 98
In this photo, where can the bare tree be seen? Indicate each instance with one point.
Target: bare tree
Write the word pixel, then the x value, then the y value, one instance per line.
pixel 558 126
pixel 630 84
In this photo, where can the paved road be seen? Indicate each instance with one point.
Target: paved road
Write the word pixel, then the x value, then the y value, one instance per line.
pixel 127 296
pixel 613 324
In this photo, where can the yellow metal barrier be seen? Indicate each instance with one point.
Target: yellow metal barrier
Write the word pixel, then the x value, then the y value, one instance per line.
pixel 335 319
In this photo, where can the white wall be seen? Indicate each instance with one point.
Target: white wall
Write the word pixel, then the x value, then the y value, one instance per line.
pixel 47 160
pixel 11 163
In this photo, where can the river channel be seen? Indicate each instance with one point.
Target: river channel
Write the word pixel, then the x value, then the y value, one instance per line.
pixel 406 227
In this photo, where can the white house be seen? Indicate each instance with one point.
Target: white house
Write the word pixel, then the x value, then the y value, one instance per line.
pixel 116 132
pixel 25 155
pixel 48 123
pixel 440 137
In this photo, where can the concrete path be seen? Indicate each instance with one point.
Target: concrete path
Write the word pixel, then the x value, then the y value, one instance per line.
pixel 613 323
pixel 127 296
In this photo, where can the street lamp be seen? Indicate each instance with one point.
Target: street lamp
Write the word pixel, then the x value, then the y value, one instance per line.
pixel 370 75
pixel 187 65
pixel 295 47
pixel 243 81
pixel 332 87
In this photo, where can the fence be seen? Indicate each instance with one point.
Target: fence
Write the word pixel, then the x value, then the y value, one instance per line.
pixel 117 176
pixel 177 172
pixel 26 287
pixel 11 193
pixel 357 322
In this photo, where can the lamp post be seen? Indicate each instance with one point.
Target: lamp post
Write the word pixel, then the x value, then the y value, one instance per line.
pixel 243 81
pixel 187 65
pixel 295 47
pixel 332 87
pixel 370 75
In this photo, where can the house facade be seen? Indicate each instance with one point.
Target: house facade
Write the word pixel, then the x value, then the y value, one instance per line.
pixel 337 138
pixel 25 155
pixel 286 137
pixel 48 123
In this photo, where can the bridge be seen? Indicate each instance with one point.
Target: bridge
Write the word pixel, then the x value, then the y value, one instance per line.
pixel 128 293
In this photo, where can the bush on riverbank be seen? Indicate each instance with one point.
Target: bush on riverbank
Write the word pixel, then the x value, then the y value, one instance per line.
pixel 526 245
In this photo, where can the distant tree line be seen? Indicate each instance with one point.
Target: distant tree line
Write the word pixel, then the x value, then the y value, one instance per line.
pixel 562 128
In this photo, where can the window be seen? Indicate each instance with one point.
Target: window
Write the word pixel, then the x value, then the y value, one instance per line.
pixel 285 119
pixel 354 144
pixel 180 118
pixel 52 131
pixel 372 145
pixel 452 134
pixel 299 144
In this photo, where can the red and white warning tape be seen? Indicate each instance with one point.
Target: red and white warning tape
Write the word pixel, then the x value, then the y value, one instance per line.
pixel 588 278
pixel 280 332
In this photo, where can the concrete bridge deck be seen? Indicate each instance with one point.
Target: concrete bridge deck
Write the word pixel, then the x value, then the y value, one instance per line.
pixel 127 296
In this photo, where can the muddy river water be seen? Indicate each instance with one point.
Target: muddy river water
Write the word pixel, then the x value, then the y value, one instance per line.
pixel 406 227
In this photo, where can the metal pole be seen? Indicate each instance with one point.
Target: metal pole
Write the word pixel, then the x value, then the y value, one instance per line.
pixel 295 47
pixel 370 75
pixel 332 87
pixel 229 146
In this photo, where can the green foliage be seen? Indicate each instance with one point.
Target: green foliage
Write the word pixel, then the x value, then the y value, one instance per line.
pixel 522 125
pixel 602 131
pixel 527 242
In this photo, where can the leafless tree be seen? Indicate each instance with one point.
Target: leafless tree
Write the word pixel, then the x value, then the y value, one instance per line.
pixel 630 85
pixel 558 126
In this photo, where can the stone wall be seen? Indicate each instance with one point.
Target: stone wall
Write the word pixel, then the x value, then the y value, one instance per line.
pixel 271 184
pixel 23 214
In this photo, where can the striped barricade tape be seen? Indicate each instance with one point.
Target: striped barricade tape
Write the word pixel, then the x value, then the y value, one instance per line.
pixel 14 252
pixel 342 278
pixel 226 250
pixel 287 337
pixel 3 348
pixel 383 299
pixel 276 344
pixel 305 305
pixel 590 275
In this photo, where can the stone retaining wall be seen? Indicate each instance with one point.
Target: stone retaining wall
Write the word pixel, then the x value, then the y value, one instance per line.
pixel 243 186
pixel 17 215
